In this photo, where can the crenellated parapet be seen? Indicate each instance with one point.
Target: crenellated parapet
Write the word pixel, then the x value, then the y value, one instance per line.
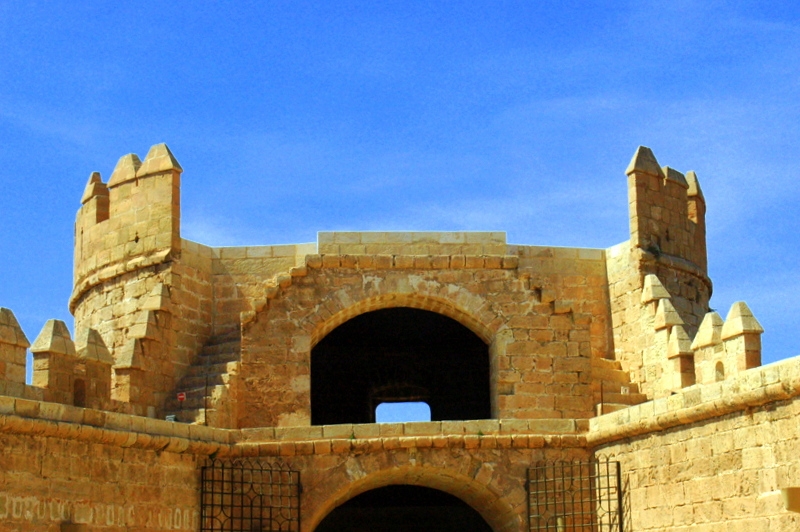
pixel 130 223
pixel 667 225
pixel 667 243
pixel 134 283
pixel 13 348
pixel 673 360
pixel 72 372
pixel 667 210
pixel 726 348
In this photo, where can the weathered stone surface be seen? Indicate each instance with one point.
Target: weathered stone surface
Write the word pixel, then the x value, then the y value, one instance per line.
pixel 89 345
pixel 740 320
pixel 222 338
pixel 710 331
pixel 644 161
pixel 54 338
pixel 653 290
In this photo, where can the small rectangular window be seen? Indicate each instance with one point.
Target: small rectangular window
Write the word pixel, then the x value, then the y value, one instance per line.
pixel 402 412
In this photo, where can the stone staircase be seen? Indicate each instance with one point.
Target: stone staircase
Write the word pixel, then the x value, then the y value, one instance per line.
pixel 612 388
pixel 207 383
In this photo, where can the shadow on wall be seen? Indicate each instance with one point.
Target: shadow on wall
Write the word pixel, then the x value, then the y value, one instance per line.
pixel 403 508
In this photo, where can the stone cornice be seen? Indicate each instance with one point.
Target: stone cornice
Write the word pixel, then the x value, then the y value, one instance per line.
pixel 766 384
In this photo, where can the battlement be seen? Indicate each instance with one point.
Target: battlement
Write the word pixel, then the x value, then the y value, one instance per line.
pixel 67 372
pixel 667 210
pixel 129 223
pixel 285 352
pixel 155 300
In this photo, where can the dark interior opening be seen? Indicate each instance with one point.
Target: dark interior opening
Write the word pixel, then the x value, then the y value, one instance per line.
pixel 404 508
pixel 399 355
pixel 79 393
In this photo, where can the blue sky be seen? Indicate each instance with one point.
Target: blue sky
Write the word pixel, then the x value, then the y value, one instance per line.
pixel 296 117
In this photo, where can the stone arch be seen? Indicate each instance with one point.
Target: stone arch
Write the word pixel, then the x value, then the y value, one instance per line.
pixel 486 499
pixel 466 308
pixel 483 323
pixel 278 338
pixel 399 354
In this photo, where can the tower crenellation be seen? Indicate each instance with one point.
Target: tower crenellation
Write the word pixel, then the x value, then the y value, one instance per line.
pixel 282 355
pixel 666 209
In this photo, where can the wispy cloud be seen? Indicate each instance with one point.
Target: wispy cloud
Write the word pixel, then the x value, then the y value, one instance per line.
pixel 49 121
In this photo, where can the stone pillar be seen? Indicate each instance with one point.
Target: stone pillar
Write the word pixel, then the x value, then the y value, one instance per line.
pixel 741 335
pixel 129 381
pixel 697 214
pixel 709 353
pixel 664 322
pixel 13 348
pixel 94 369
pixel 652 292
pixel 681 359
pixel 54 360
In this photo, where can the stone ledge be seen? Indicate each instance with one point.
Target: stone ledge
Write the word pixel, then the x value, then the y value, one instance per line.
pixel 556 252
pixel 38 418
pixel 773 382
pixel 26 416
pixel 366 431
pixel 411 262
pixel 21 416
pixel 91 279
pixel 411 237
pixel 674 262
pixel 379 445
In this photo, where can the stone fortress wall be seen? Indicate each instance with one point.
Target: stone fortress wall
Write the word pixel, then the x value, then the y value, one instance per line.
pixel 609 351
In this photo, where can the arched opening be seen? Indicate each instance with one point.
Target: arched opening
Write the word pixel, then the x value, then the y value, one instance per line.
pixel 719 372
pixel 404 508
pixel 79 393
pixel 397 355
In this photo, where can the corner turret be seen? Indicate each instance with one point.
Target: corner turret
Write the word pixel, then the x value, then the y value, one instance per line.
pixel 146 299
pixel 666 209
pixel 659 275
pixel 131 222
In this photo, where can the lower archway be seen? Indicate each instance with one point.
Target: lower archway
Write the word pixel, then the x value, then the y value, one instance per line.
pixel 404 508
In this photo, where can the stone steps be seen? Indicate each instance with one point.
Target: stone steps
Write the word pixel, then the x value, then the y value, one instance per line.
pixel 206 381
pixel 222 348
pixel 201 368
pixel 607 408
pixel 612 388
pixel 610 371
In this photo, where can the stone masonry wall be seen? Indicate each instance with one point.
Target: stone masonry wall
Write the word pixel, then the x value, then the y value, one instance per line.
pixel 711 457
pixel 536 310
pixel 117 472
pixel 114 472
pixel 239 275
pixel 632 327
pixel 49 481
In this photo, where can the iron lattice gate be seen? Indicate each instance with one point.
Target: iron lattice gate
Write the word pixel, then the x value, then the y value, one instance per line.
pixel 575 496
pixel 249 495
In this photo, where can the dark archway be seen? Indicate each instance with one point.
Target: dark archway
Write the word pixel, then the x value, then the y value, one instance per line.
pixel 79 393
pixel 404 508
pixel 398 355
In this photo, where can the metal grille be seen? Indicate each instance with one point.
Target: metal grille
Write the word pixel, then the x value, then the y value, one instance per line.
pixel 575 496
pixel 249 495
